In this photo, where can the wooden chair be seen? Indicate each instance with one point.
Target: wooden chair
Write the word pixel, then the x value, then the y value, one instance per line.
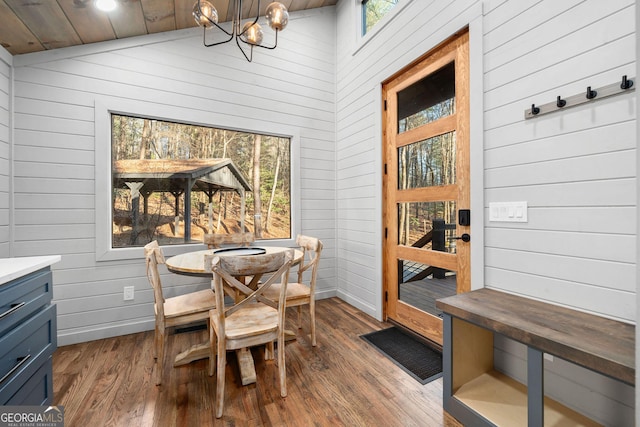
pixel 214 241
pixel 253 320
pixel 299 293
pixel 174 311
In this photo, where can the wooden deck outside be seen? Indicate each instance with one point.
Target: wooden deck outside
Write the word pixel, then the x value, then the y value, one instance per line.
pixel 343 381
pixel 423 293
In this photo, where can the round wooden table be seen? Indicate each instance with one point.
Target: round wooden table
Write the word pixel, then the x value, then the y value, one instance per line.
pixel 192 263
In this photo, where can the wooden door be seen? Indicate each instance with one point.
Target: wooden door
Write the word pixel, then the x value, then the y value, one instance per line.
pixel 426 186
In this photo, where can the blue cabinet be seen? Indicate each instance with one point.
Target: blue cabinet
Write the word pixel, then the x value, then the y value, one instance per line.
pixel 28 338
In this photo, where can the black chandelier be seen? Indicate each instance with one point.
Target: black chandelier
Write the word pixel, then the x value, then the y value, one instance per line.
pixel 250 33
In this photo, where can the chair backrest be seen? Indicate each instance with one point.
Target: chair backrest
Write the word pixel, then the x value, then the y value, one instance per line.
pixel 271 268
pixel 154 256
pixel 218 240
pixel 311 249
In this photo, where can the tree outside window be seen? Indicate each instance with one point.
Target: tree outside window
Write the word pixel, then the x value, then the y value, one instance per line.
pixel 373 11
pixel 174 182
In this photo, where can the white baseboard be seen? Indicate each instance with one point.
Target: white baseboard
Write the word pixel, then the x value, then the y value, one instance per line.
pixel 360 305
pixel 78 336
pixel 75 336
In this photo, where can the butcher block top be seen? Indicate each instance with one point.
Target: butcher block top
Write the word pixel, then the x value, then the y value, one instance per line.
pixel 603 345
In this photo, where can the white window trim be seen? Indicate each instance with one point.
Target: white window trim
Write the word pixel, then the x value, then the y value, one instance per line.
pixel 103 211
pixel 363 40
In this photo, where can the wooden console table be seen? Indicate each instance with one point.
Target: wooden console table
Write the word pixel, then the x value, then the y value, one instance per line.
pixel 477 395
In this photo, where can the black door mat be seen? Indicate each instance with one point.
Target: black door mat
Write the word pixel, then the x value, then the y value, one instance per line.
pixel 420 360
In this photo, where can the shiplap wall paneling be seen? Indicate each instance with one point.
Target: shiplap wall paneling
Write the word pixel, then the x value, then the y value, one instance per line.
pixel 292 87
pixel 5 151
pixel 568 161
pixel 637 192
pixel 576 170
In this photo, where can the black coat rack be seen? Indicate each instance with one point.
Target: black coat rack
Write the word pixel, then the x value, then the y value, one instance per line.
pixel 590 95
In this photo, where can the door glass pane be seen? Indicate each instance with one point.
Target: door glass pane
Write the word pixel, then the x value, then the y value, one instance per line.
pixel 427 100
pixel 420 285
pixel 427 163
pixel 428 225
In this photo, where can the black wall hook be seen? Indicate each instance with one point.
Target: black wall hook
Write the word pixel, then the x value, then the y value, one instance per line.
pixel 619 87
pixel 534 110
pixel 626 84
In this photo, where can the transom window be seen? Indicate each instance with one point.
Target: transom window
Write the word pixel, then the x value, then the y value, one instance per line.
pixel 174 182
pixel 373 11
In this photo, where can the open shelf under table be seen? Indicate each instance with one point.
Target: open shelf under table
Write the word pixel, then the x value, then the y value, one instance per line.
pixel 503 400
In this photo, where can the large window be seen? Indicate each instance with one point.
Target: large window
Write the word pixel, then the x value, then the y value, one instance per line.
pixel 174 182
pixel 373 11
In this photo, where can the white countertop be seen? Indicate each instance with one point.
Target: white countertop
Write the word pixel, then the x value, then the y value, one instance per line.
pixel 12 268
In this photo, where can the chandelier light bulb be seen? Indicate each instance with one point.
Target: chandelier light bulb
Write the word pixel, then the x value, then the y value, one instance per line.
pixel 106 5
pixel 205 13
pixel 252 33
pixel 277 16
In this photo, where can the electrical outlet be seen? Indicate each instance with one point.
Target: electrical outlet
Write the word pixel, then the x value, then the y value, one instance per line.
pixel 128 293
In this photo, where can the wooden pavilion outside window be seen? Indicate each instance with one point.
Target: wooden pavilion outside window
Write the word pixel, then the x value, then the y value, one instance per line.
pixel 178 177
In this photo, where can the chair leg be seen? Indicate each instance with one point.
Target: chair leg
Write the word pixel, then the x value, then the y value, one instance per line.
pixel 155 342
pixel 299 317
pixel 212 350
pixel 222 363
pixel 160 354
pixel 282 369
pixel 312 316
pixel 269 352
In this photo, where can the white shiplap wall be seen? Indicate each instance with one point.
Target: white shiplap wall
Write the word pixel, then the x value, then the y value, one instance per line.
pixel 291 88
pixel 576 169
pixel 637 400
pixel 6 62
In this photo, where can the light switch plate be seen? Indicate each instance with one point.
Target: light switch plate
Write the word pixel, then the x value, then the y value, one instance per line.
pixel 508 212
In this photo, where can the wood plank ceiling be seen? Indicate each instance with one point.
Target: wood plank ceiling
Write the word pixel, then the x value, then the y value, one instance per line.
pixel 35 25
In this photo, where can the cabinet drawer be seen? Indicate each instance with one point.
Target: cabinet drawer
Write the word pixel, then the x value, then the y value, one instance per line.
pixel 22 297
pixel 38 390
pixel 25 349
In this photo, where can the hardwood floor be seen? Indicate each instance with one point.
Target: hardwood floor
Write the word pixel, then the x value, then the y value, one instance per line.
pixel 341 382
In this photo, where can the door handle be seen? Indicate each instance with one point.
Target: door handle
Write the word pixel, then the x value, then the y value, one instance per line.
pixel 465 237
